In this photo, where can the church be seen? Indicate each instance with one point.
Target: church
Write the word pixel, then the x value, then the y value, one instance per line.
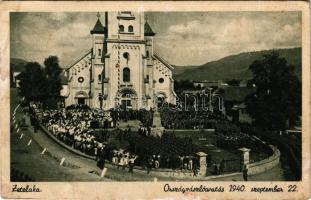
pixel 121 70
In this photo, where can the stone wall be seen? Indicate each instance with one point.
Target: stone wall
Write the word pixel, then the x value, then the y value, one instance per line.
pixel 266 164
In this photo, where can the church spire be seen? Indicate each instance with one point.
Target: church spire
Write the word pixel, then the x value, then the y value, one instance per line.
pixel 148 30
pixel 98 28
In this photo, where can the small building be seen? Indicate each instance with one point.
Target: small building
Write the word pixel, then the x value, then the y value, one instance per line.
pixel 239 114
pixel 17 66
pixel 234 97
pixel 207 84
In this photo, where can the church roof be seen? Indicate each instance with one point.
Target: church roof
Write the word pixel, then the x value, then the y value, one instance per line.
pixel 78 60
pixel 158 57
pixel 148 30
pixel 98 28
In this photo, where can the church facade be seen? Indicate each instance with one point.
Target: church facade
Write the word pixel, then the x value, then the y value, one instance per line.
pixel 121 69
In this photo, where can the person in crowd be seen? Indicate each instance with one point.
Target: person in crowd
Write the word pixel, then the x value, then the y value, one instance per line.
pixel 157 163
pixel 149 165
pixel 190 164
pixel 125 161
pixel 131 163
pixel 185 162
pixel 195 170
pixel 245 172
pixel 101 157
pixel 181 162
pixel 115 159
pixel 121 161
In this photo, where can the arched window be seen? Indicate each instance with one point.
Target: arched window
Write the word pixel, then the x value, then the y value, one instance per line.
pixel 126 75
pixel 130 29
pixel 147 54
pixel 99 52
pixel 99 78
pixel 121 28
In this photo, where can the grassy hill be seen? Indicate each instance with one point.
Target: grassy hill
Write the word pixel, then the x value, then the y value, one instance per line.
pixel 235 66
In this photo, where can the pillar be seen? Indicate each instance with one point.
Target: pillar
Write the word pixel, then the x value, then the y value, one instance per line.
pixel 244 156
pixel 202 162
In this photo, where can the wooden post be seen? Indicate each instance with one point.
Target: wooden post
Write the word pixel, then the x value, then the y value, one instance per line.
pixel 62 161
pixel 103 172
pixel 44 150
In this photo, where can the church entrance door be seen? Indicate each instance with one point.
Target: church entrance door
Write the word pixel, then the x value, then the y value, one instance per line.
pixel 81 97
pixel 81 101
pixel 126 104
pixel 128 99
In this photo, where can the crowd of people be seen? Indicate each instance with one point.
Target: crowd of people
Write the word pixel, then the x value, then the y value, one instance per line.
pixel 123 159
pixel 74 126
pixel 232 141
pixel 79 127
pixel 168 151
pixel 144 116
pixel 172 119
pixel 229 135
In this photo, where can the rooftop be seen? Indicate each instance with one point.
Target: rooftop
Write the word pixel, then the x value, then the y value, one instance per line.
pixel 148 30
pixel 98 28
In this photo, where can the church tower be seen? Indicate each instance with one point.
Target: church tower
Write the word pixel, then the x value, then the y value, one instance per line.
pixel 98 33
pixel 126 65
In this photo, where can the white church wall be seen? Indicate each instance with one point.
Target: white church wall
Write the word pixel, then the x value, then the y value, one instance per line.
pixel 163 81
pixel 80 71
pixel 134 63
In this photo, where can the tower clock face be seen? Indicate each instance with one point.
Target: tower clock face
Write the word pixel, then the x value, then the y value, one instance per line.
pixel 80 79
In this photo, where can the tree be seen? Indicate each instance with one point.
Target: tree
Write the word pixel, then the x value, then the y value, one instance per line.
pixel 276 104
pixel 31 80
pixel 52 73
pixel 180 86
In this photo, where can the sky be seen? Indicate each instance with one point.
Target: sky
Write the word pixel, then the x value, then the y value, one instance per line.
pixel 182 38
